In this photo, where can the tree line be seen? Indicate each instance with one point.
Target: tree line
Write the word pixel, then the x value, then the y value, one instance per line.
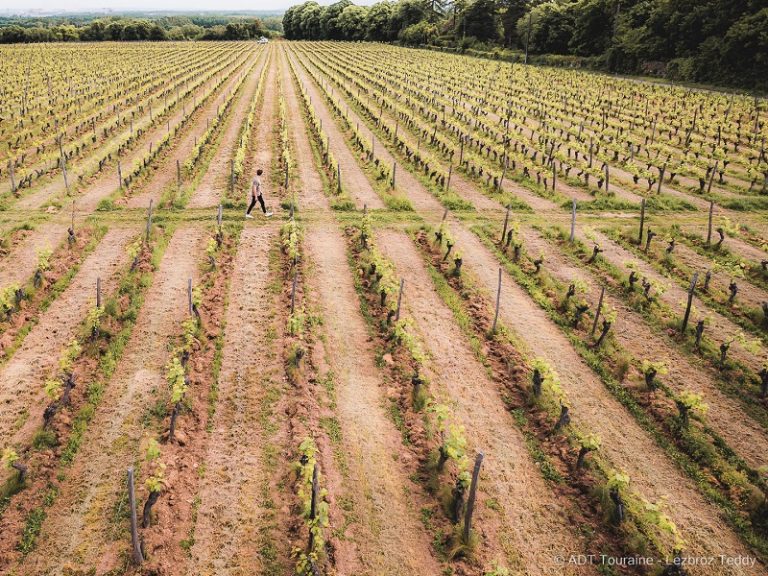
pixel 135 29
pixel 710 41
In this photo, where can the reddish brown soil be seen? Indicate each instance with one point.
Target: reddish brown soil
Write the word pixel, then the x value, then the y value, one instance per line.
pixel 81 528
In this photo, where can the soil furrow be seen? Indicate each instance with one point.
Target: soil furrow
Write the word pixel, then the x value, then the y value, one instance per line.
pixel 85 528
pixel 385 536
pixel 625 443
pixel 527 529
pixel 231 499
pixel 22 259
pixel 310 195
pixel 725 415
pixel 217 176
pixel 353 179
pixel 163 176
pixel 21 379
pixel 674 296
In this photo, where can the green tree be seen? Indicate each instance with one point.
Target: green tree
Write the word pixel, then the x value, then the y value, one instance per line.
pixel 592 27
pixel 351 22
pixel 482 20
pixel 511 12
pixel 330 20
pixel 379 22
pixel 551 28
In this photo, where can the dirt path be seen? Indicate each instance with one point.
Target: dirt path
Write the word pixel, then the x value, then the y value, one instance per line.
pixel 22 398
pixel 232 500
pixel 627 446
pixel 624 441
pixel 737 246
pixel 353 178
pixel 21 262
pixel 82 531
pixel 385 536
pixel 262 153
pixel 725 415
pixel 529 529
pixel 105 183
pixel 674 296
pixel 310 196
pixel 216 178
pixel 165 175
pixel 748 295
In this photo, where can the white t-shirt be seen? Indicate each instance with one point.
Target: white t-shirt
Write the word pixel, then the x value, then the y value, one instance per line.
pixel 257 185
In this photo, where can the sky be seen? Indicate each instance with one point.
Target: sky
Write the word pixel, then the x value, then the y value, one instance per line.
pixel 180 5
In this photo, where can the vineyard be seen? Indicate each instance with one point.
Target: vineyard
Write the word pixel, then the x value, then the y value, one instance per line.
pixel 504 320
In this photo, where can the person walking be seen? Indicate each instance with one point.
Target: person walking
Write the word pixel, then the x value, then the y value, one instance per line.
pixel 256 195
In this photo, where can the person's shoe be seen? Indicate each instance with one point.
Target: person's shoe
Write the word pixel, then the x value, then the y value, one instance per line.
pixel 268 214
pixel 249 216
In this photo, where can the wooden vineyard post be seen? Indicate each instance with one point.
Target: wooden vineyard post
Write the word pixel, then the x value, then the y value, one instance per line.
pixel 138 557
pixel 219 217
pixel 189 296
pixel 399 298
pixel 573 220
pixel 11 168
pixel 64 167
pixel 232 176
pixel 709 222
pixel 506 223
pixel 450 173
pixel 554 176
pixel 597 311
pixel 642 222
pixel 712 177
pixel 691 289
pixel 338 178
pixel 149 220
pixel 472 496
pixel 607 179
pixel 178 173
pixel 394 174
pixel 461 150
pixel 98 292
pixel 119 175
pixel 293 293
pixel 661 178
pixel 498 301
pixel 285 180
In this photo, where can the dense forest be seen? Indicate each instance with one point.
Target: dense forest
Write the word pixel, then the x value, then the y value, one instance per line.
pixel 711 41
pixel 121 28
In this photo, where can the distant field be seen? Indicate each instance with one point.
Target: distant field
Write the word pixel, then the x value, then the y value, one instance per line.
pixel 503 319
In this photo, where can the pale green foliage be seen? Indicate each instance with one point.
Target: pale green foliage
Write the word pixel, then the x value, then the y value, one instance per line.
pixel 551 389
pixel 133 249
pixel 44 259
pixel 53 388
pixel 660 367
pixel 693 402
pixel 93 319
pixel 590 442
pixel 306 468
pixel 69 355
pixel 618 480
pixel 8 299
pixel 9 457
pixel 176 380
